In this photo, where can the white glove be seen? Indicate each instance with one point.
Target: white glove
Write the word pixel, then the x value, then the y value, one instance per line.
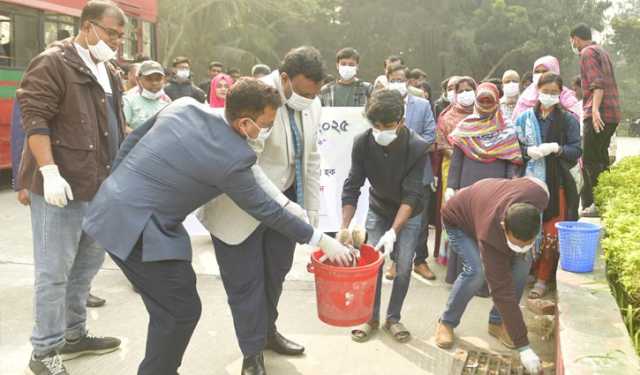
pixel 448 194
pixel 297 211
pixel 387 241
pixel 345 237
pixel 434 184
pixel 549 148
pixel 535 152
pixel 335 251
pixel 56 188
pixel 530 361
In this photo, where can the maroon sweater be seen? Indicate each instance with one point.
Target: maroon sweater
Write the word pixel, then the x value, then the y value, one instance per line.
pixel 479 210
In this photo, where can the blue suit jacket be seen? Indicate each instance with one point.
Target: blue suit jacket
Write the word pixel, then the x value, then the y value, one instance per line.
pixel 177 161
pixel 17 143
pixel 419 118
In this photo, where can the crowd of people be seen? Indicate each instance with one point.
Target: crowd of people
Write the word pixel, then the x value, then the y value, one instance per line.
pixel 114 161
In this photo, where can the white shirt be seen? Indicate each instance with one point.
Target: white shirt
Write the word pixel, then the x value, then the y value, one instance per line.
pixel 99 70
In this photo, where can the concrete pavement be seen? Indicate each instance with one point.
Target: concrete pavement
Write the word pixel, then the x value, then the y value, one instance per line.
pixel 213 349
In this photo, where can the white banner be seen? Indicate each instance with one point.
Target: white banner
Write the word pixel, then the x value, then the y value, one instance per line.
pixel 338 127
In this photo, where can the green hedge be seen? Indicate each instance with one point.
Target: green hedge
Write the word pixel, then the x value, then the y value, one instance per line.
pixel 618 198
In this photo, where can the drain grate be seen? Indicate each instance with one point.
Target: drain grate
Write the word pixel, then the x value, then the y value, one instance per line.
pixel 484 363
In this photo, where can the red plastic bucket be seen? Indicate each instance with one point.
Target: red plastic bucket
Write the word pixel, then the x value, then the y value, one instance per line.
pixel 345 295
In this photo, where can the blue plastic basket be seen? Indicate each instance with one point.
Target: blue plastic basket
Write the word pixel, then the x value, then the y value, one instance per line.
pixel 578 244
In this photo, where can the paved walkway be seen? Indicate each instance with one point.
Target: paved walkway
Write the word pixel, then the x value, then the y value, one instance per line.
pixel 213 349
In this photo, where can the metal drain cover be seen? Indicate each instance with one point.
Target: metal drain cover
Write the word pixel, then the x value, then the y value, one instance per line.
pixel 484 363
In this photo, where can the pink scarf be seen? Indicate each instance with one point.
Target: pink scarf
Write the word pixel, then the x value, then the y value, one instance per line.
pixel 451 117
pixel 214 101
pixel 529 98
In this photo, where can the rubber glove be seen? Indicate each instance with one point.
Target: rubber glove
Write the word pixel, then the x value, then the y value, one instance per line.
pixel 448 194
pixel 335 251
pixel 535 153
pixel 549 148
pixel 56 188
pixel 387 241
pixel 530 361
pixel 297 211
pixel 344 237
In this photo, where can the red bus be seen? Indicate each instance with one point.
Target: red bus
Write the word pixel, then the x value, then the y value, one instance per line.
pixel 27 26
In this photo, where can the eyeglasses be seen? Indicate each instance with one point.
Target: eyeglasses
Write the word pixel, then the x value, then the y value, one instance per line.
pixel 113 34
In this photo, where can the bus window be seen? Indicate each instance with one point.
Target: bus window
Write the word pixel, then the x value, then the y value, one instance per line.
pixel 58 27
pixel 25 38
pixel 5 40
pixel 130 43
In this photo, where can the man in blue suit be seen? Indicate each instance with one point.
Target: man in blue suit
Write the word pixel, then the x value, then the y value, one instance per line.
pixel 180 159
pixel 419 118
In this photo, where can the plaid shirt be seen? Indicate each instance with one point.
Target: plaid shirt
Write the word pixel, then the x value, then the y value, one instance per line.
pixel 596 71
pixel 361 92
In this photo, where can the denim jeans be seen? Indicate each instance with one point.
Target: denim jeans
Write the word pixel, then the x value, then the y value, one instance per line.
pixel 404 251
pixel 66 261
pixel 422 250
pixel 472 277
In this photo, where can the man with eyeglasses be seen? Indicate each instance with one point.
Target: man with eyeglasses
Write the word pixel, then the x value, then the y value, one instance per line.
pixel 71 100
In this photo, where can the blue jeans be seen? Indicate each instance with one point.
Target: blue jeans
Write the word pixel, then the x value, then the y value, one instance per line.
pixel 66 261
pixel 404 251
pixel 472 277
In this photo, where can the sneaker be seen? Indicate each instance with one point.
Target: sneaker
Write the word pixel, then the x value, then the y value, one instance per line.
pixel 50 364
pixel 444 336
pixel 498 331
pixel 423 270
pixel 391 271
pixel 590 211
pixel 89 345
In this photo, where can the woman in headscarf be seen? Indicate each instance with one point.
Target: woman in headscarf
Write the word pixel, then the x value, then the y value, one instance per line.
pixel 461 106
pixel 220 85
pixel 484 146
pixel 511 89
pixel 529 98
pixel 550 139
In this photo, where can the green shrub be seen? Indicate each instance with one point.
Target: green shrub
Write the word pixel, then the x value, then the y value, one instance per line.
pixel 618 198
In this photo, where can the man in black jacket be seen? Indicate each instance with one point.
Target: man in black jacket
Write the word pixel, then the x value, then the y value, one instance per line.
pixel 392 157
pixel 180 83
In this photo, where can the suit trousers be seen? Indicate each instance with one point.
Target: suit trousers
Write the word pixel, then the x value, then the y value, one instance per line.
pixel 595 157
pixel 252 274
pixel 168 290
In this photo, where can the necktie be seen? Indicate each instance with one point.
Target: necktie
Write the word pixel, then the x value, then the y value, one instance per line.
pixel 298 150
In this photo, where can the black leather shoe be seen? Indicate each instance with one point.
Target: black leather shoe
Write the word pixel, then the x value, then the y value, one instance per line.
pixel 253 365
pixel 93 301
pixel 282 345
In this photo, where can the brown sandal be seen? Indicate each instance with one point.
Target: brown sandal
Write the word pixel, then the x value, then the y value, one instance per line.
pixel 398 331
pixel 363 333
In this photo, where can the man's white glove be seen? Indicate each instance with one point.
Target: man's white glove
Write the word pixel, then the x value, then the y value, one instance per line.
pixel 297 211
pixel 549 148
pixel 56 188
pixel 530 361
pixel 535 152
pixel 448 194
pixel 387 241
pixel 345 237
pixel 335 251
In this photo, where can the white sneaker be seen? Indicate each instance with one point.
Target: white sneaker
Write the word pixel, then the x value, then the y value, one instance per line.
pixel 590 211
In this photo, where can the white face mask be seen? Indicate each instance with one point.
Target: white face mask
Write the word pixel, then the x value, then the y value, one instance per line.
pixel 400 87
pixel 347 72
pixel 548 101
pixel 575 49
pixel 466 98
pixel 451 96
pixel 298 102
pixel 152 95
pixel 385 137
pixel 183 73
pixel 100 51
pixel 518 249
pixel 262 135
pixel 511 89
pixel 536 78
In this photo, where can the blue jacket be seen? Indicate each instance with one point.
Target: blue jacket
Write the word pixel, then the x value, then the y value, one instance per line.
pixel 17 143
pixel 419 118
pixel 176 162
